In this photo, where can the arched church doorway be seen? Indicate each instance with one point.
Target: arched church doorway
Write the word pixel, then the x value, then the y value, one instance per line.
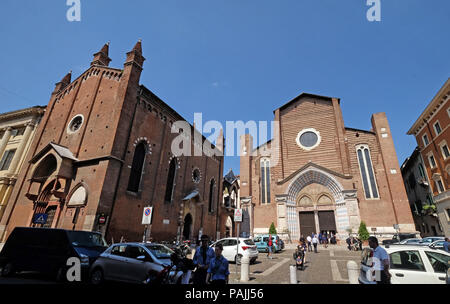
pixel 47 204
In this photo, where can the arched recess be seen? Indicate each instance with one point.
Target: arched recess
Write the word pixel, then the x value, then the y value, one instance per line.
pixel 45 168
pixel 324 200
pixel 305 201
pixel 312 176
pixel 137 167
pixel 187 228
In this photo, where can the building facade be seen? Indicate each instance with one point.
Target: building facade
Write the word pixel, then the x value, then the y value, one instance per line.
pixel 17 132
pixel 318 175
pixel 432 133
pixel 420 195
pixel 102 153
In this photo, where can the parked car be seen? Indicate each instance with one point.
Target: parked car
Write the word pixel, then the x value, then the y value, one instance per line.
pixel 47 250
pixel 410 241
pixel 282 244
pixel 409 265
pixel 437 245
pixel 133 263
pixel 262 240
pixel 430 239
pixel 398 237
pixel 231 252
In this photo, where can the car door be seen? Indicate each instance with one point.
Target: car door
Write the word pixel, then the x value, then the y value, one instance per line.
pixel 439 265
pixel 136 270
pixel 230 249
pixel 407 267
pixel 114 262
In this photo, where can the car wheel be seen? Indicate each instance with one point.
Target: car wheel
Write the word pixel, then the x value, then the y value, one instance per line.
pixel 97 277
pixel 8 270
pixel 237 259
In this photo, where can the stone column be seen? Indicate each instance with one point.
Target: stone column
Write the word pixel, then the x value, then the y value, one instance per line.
pixel 20 150
pixel 316 219
pixel 5 140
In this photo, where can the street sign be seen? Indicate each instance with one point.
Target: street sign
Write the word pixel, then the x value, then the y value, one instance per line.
pixel 147 216
pixel 237 215
pixel 40 218
pixel 102 220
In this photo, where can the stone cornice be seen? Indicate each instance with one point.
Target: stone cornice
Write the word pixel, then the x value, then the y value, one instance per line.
pixel 28 112
pixel 435 104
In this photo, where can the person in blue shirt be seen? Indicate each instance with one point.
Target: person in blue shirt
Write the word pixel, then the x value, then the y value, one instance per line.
pixel 202 258
pixel 446 244
pixel 218 271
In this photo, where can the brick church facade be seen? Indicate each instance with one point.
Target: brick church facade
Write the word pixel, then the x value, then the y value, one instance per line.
pixel 319 175
pixel 103 152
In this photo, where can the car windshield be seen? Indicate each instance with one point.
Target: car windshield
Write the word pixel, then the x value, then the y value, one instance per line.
pixel 86 239
pixel 249 242
pixel 257 239
pixel 160 251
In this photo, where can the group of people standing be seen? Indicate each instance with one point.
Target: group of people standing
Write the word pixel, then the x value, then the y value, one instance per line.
pixel 211 266
pixel 313 240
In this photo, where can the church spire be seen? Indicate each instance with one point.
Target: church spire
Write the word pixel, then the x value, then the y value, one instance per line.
pixel 135 55
pixel 63 83
pixel 101 58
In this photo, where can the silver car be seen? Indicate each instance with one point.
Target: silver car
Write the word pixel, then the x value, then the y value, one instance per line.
pixel 133 263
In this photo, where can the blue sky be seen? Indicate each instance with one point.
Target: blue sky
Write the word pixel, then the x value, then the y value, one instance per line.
pixel 240 59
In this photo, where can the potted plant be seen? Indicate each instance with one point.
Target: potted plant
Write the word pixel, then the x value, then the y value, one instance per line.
pixel 363 234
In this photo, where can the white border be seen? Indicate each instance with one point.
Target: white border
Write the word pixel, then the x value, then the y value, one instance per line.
pixel 70 123
pixel 319 138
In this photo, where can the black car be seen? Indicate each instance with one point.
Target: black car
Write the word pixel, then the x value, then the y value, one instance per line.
pixel 399 237
pixel 47 250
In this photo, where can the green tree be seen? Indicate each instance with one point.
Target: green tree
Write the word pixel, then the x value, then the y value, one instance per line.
pixel 272 229
pixel 362 232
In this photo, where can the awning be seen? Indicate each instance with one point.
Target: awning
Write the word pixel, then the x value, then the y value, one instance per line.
pixel 191 195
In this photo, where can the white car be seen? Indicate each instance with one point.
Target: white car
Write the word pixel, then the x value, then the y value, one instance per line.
pixel 410 241
pixel 230 249
pixel 409 265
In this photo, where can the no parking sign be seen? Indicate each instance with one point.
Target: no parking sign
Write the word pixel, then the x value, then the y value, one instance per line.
pixel 147 216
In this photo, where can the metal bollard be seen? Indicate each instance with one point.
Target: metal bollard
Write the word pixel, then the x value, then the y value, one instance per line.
pixel 245 269
pixel 293 272
pixel 353 272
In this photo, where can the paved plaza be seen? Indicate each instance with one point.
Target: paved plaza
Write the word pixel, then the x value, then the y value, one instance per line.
pixel 328 266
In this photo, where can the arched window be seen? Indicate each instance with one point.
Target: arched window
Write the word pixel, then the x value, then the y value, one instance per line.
pixel 265 181
pixel 367 173
pixel 211 196
pixel 170 180
pixel 137 168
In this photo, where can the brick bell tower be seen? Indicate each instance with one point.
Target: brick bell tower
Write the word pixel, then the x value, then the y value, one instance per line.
pixel 74 163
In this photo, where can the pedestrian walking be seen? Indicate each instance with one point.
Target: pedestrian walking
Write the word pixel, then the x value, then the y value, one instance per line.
pixel 302 239
pixel 218 271
pixel 269 247
pixel 202 258
pixel 309 240
pixel 381 262
pixel 315 242
pixel 349 243
pixel 446 244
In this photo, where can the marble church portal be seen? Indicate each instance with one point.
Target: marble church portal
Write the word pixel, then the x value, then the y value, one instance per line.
pixel 327 177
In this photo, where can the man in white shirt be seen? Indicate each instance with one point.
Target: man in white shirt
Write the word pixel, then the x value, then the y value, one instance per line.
pixel 309 240
pixel 315 241
pixel 381 262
